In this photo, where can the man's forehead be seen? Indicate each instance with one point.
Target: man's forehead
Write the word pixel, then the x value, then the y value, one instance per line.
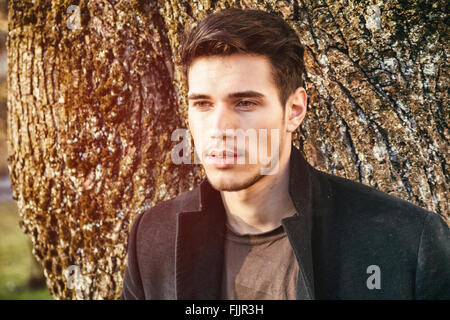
pixel 235 72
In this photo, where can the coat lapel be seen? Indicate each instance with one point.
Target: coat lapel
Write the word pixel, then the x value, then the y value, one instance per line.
pixel 199 246
pixel 299 226
pixel 311 193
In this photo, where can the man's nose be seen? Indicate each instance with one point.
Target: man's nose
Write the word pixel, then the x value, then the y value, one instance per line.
pixel 222 119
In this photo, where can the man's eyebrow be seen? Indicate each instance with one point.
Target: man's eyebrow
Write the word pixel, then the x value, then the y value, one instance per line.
pixel 246 94
pixel 234 95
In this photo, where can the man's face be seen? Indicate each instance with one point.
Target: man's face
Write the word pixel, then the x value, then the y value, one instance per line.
pixel 230 99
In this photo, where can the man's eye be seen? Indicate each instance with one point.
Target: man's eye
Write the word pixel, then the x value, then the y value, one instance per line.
pixel 246 104
pixel 202 104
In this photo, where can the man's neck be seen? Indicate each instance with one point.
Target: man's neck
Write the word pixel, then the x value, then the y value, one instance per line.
pixel 260 207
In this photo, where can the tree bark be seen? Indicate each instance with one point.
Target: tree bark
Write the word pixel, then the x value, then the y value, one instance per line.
pixel 93 102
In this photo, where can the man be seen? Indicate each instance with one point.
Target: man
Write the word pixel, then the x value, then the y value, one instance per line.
pixel 272 226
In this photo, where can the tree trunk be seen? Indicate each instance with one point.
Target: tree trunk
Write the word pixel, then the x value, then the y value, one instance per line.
pixel 95 92
pixel 91 112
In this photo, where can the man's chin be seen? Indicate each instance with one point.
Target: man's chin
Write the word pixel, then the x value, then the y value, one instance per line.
pixel 232 182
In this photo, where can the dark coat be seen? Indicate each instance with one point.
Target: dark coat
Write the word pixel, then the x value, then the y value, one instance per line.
pixel 175 249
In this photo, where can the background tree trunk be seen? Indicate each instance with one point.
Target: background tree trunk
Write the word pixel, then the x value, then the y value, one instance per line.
pixel 93 102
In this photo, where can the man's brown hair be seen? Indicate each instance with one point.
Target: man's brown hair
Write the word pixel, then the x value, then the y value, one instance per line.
pixel 248 31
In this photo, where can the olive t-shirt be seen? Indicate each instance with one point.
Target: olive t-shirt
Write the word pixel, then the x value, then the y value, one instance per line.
pixel 259 267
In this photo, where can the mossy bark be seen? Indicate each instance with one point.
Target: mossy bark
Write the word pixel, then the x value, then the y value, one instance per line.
pixel 91 112
pixel 93 102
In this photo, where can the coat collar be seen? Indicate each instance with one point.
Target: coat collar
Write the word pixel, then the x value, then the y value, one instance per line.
pixel 298 227
pixel 201 230
pixel 199 244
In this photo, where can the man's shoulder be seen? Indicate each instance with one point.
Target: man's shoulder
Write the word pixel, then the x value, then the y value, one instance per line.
pixel 367 202
pixel 363 215
pixel 165 212
pixel 366 227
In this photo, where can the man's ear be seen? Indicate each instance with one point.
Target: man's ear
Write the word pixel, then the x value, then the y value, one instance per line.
pixel 296 109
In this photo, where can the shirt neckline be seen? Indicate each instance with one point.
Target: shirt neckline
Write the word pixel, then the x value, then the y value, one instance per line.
pixel 255 239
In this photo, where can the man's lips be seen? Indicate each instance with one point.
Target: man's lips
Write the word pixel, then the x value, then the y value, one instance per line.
pixel 221 158
pixel 222 153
